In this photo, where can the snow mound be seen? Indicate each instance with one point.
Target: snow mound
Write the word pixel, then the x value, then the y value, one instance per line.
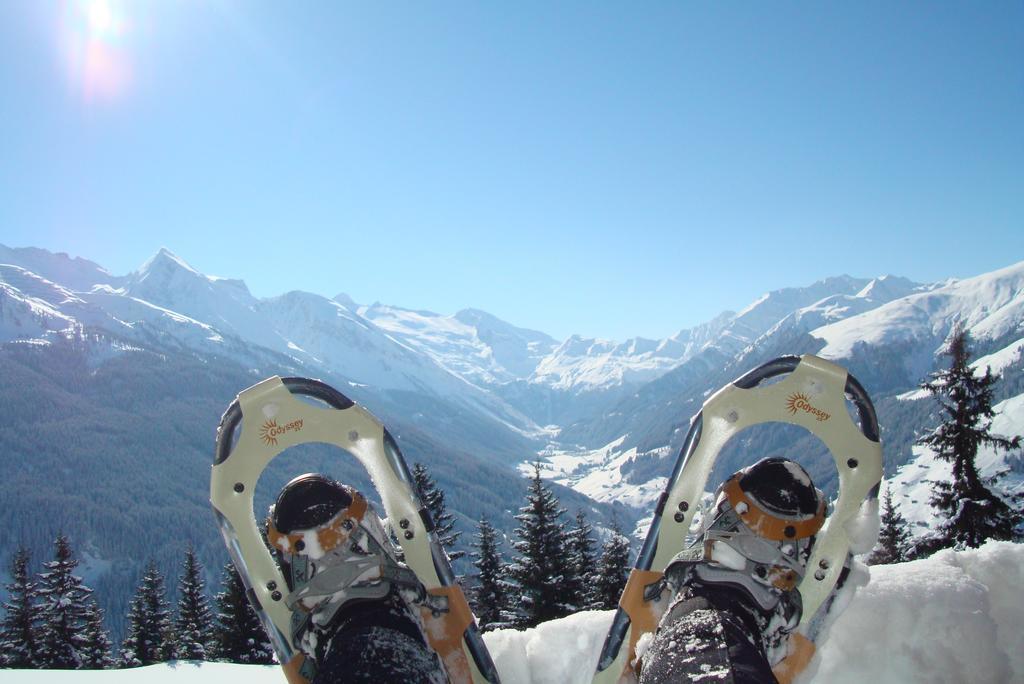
pixel 954 617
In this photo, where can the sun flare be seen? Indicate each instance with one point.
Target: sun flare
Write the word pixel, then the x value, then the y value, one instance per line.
pixel 97 59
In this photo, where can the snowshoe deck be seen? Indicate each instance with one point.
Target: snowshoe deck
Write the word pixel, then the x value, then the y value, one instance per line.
pixel 812 395
pixel 268 418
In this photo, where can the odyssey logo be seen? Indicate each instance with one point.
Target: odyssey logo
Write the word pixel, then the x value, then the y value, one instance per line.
pixel 270 430
pixel 800 402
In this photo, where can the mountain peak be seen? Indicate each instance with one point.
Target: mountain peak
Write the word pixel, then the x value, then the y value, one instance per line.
pixel 346 301
pixel 166 259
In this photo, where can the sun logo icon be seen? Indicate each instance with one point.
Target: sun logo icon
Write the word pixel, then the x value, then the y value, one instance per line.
pixel 796 402
pixel 269 432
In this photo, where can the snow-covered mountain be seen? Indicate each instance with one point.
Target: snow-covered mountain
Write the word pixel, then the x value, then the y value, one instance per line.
pixel 605 417
pixel 889 331
pixel 471 344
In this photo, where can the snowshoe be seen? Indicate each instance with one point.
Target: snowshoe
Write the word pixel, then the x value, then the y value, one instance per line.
pixel 764 549
pixel 331 550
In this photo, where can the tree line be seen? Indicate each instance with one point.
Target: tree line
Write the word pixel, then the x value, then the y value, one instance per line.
pixel 52 620
pixel 554 567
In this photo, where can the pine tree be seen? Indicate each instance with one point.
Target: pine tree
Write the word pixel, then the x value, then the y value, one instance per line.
pixel 194 625
pixel 433 498
pixel 64 613
pixel 489 591
pixel 893 537
pixel 537 576
pixel 973 512
pixel 149 637
pixel 96 647
pixel 19 630
pixel 580 559
pixel 238 634
pixel 612 571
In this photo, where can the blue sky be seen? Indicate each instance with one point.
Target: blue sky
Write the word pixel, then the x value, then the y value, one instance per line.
pixel 607 169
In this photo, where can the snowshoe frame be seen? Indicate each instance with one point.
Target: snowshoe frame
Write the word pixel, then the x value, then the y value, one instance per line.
pixel 275 418
pixel 813 396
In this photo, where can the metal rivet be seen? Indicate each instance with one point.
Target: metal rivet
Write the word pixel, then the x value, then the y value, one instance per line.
pixel 790 531
pixel 300 545
pixel 353 435
pixel 823 564
pixel 684 506
pixel 408 534
pixel 819 575
pixel 732 416
pixel 679 517
pixel 271 585
pixel 276 596
pixel 761 571
pixel 346 524
pixel 403 523
pixel 852 463
pixel 239 487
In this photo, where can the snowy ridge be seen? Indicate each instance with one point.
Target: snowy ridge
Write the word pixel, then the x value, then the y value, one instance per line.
pixel 948 619
pixel 169 299
pixel 988 306
pixel 471 344
pixel 77 274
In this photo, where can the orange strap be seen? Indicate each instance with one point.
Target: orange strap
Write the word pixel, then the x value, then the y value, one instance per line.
pixel 292 670
pixel 801 650
pixel 643 615
pixel 445 632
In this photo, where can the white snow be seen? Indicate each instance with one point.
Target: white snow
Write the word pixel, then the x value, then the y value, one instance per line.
pixel 988 306
pixel 173 673
pixel 597 473
pixel 952 618
pixel 998 361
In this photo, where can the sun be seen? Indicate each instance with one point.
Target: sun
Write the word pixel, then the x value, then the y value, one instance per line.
pixel 93 37
pixel 100 18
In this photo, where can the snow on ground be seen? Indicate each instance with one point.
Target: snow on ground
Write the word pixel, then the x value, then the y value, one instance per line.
pixel 955 617
pixel 1001 359
pixel 175 673
pixel 597 473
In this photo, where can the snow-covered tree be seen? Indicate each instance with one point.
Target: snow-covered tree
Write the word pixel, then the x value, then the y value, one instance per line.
pixel 64 613
pixel 19 629
pixel 612 571
pixel 238 634
pixel 193 628
pixel 432 497
pixel 581 562
pixel 972 508
pixel 96 647
pixel 893 537
pixel 536 578
pixel 149 636
pixel 488 590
